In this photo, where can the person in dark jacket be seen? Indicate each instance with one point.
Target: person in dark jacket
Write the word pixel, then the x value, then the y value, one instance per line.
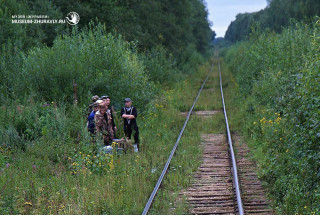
pixel 91 123
pixel 111 111
pixel 129 115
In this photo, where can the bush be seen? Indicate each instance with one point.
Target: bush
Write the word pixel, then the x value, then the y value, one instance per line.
pixel 97 62
pixel 278 76
pixel 161 66
pixel 21 124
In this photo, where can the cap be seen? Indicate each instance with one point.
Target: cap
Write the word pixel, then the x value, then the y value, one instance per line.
pixel 98 102
pixel 104 97
pixel 95 98
pixel 127 100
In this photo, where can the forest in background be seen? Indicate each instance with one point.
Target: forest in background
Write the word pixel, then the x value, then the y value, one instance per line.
pixel 176 25
pixel 169 37
pixel 277 15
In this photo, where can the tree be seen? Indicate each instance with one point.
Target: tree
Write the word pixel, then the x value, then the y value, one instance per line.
pixel 275 16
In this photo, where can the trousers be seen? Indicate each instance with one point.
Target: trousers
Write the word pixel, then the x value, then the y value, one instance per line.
pixel 128 132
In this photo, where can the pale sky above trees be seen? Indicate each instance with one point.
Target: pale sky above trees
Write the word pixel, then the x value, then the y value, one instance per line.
pixel 222 12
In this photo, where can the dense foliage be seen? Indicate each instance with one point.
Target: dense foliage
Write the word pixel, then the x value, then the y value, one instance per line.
pixel 96 61
pixel 176 25
pixel 173 24
pixel 169 37
pixel 26 36
pixel 274 17
pixel 278 76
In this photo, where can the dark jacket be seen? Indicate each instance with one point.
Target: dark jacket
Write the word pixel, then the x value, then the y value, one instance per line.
pixel 91 122
pixel 130 111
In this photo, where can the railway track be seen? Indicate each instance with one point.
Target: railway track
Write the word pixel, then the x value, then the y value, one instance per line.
pixel 221 186
pixel 212 191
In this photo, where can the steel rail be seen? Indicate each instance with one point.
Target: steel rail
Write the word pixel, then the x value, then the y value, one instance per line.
pixel 233 158
pixel 155 190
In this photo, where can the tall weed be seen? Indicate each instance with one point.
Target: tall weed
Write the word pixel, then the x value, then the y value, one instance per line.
pixel 278 76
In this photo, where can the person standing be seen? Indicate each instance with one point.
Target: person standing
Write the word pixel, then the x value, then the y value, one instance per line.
pixel 111 111
pixel 91 123
pixel 103 122
pixel 129 115
pixel 91 105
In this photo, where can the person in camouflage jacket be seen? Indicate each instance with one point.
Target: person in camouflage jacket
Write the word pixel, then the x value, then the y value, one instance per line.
pixel 103 122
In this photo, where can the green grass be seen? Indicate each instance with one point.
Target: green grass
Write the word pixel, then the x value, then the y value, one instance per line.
pixel 53 176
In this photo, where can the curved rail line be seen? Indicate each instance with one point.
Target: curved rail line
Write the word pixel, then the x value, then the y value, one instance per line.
pixel 233 158
pixel 154 192
pixel 234 165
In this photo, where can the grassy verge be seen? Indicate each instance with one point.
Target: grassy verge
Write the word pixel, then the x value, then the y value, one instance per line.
pixel 278 78
pixel 55 177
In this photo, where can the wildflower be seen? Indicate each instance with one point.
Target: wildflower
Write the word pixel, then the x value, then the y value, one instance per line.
pixel 263 120
pixel 254 123
pixel 305 206
pixel 28 203
pixel 34 167
pixel 7 165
